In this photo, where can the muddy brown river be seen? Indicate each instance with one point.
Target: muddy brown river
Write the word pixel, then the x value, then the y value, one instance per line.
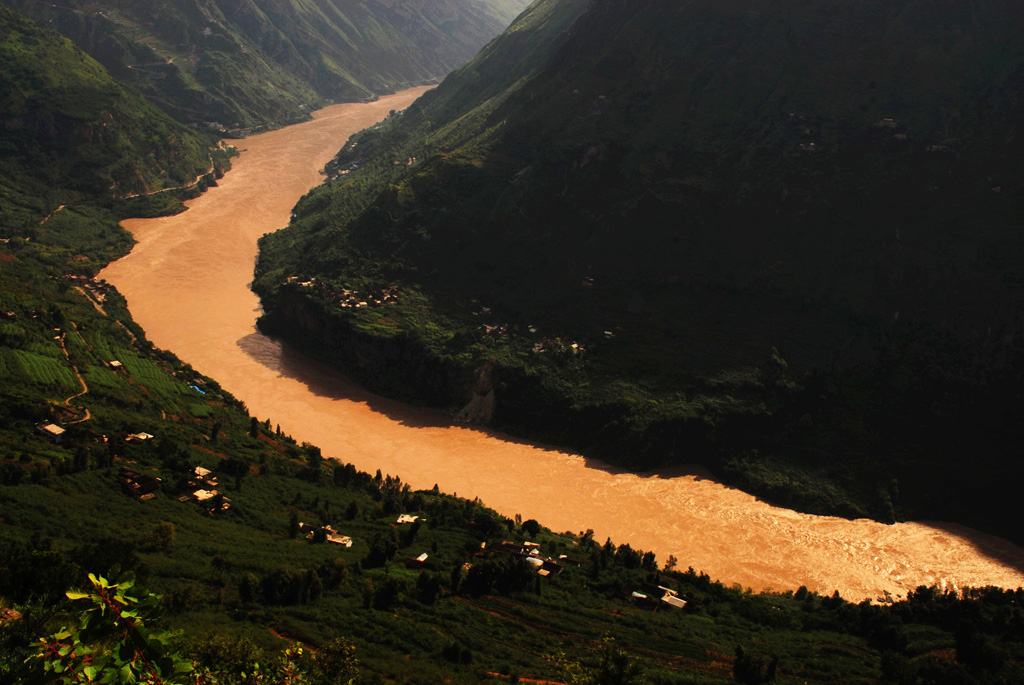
pixel 187 283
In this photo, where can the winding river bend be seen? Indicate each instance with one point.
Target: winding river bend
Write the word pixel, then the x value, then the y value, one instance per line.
pixel 187 283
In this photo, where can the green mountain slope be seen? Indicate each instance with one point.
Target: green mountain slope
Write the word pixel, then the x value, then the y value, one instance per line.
pixel 787 238
pixel 242 583
pixel 68 124
pixel 78 151
pixel 236 64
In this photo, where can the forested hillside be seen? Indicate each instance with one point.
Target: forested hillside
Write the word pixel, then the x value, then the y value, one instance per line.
pixel 254 544
pixel 125 472
pixel 783 241
pixel 68 127
pixel 233 65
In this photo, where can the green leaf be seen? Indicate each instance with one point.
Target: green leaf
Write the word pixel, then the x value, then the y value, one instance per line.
pixel 74 595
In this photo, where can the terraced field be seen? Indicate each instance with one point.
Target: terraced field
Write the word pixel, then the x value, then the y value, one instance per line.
pixel 45 370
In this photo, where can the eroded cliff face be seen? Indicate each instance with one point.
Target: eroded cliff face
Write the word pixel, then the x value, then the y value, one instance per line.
pixel 397 366
pixel 480 408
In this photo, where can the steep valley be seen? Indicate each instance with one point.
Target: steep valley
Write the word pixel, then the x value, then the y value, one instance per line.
pixel 186 283
pixel 734 288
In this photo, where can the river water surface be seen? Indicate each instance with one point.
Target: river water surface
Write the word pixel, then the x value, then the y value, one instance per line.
pixel 187 283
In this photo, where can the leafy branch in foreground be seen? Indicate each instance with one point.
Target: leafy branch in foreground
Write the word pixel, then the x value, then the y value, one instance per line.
pixel 110 641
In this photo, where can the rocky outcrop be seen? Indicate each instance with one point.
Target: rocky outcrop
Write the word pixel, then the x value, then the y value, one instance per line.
pixel 480 408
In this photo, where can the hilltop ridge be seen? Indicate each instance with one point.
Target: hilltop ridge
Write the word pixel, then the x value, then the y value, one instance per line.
pixel 234 65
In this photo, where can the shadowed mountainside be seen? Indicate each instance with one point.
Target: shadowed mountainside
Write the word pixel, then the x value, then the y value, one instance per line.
pixel 786 238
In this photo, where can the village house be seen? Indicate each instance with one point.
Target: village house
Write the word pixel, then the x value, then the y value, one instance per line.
pixel 641 600
pixel 419 562
pixel 332 536
pixel 204 478
pixel 51 431
pixel 652 597
pixel 530 552
pixel 138 485
pixel 549 568
pixel 201 496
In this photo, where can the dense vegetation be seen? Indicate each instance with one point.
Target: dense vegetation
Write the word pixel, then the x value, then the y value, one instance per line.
pixel 783 241
pixel 69 128
pixel 233 65
pixel 243 583
pixel 111 539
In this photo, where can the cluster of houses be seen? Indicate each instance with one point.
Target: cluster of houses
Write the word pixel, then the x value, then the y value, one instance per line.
pixel 56 433
pixel 202 488
pixel 545 345
pixel 350 299
pixel 309 531
pixel 98 288
pixel 204 491
pixel 546 567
